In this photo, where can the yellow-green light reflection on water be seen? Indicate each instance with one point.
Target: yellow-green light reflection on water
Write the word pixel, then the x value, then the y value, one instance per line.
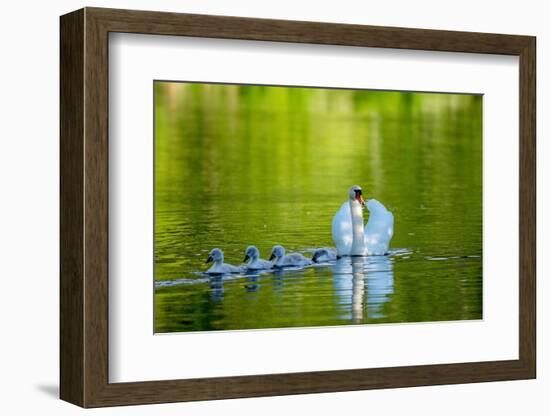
pixel 237 165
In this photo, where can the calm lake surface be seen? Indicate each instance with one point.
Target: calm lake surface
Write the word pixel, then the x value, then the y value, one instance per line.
pixel 242 165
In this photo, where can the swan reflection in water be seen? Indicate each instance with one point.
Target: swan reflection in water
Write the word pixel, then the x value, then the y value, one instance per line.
pixel 251 284
pixel 363 285
pixel 216 283
pixel 216 288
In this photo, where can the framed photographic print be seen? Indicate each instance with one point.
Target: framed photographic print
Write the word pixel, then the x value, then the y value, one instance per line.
pixel 255 207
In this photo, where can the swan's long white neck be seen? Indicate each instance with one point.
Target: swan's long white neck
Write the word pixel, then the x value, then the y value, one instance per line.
pixel 358 230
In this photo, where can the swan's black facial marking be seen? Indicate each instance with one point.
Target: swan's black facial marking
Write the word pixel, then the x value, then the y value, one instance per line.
pixel 317 255
pixel 359 196
pixel 209 259
pixel 246 258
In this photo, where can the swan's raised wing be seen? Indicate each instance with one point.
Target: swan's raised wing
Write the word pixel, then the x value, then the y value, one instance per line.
pixel 379 228
pixel 341 230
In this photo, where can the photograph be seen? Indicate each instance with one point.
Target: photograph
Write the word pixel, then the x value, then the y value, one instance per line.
pixel 282 206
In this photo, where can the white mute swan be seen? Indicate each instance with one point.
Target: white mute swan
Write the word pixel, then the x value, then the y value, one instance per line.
pixel 288 260
pixel 349 234
pixel 219 267
pixel 252 256
pixel 322 255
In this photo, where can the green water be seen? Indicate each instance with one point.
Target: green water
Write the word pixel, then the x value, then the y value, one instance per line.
pixel 241 165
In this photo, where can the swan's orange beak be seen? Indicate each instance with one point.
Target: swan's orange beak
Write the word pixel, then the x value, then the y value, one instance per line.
pixel 359 198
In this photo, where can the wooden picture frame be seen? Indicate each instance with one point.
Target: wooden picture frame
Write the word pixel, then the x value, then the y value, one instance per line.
pixel 84 207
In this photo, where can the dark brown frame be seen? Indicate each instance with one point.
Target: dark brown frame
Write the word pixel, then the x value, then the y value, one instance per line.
pixel 84 207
